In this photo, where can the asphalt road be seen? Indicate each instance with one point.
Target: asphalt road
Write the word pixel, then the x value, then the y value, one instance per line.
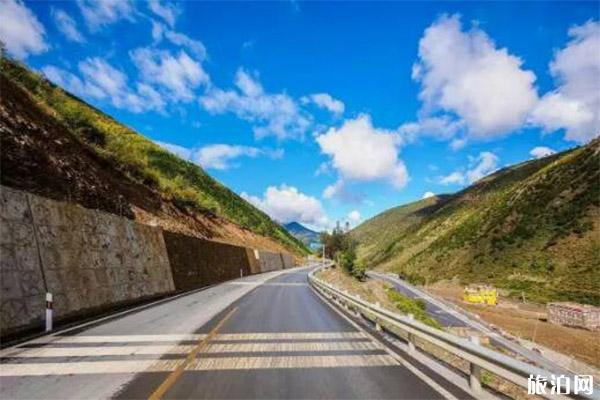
pixel 449 317
pixel 264 336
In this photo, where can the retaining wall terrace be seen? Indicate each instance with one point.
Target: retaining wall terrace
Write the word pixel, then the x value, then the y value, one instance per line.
pixel 198 262
pixel 92 261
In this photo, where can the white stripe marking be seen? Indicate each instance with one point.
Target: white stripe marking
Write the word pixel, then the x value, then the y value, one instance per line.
pixel 202 364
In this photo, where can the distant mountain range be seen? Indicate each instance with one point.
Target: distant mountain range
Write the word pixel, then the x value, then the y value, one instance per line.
pixel 309 237
pixel 532 228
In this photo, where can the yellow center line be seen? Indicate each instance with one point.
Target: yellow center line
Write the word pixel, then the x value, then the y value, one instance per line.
pixel 173 376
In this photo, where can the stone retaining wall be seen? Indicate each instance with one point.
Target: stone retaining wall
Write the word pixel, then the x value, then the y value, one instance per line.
pixel 197 262
pixel 88 260
pixel 92 261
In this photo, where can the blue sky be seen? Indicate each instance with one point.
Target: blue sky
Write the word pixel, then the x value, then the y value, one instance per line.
pixel 319 111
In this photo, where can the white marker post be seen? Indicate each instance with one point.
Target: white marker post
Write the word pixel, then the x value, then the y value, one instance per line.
pixel 48 312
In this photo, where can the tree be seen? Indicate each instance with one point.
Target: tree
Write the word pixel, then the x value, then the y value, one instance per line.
pixel 340 247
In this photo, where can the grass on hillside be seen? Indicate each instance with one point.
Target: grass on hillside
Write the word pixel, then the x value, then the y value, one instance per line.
pixel 182 182
pixel 531 229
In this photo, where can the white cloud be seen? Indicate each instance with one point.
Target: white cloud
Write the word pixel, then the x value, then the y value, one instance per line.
pixel 98 13
pixel 99 80
pixel 541 152
pixel 67 26
pixel 273 114
pixel 427 195
pixel 326 101
pixel 575 104
pixel 482 165
pixel 219 156
pixel 20 30
pixel 463 73
pixel 354 216
pixel 362 152
pixel 178 74
pixel 287 204
pixel 455 178
pixel 180 151
pixel 168 12
pixel 441 127
pixel 485 164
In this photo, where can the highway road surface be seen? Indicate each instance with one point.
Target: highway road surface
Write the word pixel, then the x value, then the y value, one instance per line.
pixel 263 336
pixel 448 316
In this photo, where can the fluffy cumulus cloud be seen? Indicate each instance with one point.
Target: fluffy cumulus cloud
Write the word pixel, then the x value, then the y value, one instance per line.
pixel 168 12
pixel 287 204
pixel 361 152
pixel 541 152
pixel 67 26
pixel 219 156
pixel 427 195
pixel 99 13
pixel 100 80
pixel 20 30
pixel 276 115
pixel 575 104
pixel 464 74
pixel 325 101
pixel 177 74
pixel 482 165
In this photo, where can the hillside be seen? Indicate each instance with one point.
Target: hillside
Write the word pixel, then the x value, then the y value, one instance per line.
pixel 56 145
pixel 307 236
pixel 532 228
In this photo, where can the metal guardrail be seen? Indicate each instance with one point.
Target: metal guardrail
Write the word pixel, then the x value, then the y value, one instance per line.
pixel 479 357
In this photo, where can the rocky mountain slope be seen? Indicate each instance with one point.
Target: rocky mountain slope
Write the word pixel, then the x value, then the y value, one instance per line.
pixel 532 229
pixel 55 145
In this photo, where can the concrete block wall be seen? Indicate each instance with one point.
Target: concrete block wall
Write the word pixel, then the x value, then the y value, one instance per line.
pixel 288 260
pixel 269 261
pixel 88 260
pixel 197 262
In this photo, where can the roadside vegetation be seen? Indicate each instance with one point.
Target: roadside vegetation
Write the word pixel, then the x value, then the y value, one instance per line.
pixel 142 161
pixel 532 230
pixel 407 306
pixel 341 247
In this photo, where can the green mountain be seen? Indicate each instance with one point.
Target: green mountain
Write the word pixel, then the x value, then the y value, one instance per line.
pixel 531 228
pixel 55 144
pixel 309 237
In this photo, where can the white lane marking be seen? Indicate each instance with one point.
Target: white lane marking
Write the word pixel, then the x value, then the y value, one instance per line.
pixel 88 367
pixel 223 363
pixel 290 335
pixel 88 351
pixel 202 364
pixel 269 283
pixel 102 351
pixel 185 349
pixel 288 347
pixel 196 337
pixel 125 338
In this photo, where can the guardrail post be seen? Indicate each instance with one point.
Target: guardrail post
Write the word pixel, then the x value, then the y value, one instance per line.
pixel 411 340
pixel 377 324
pixel 475 370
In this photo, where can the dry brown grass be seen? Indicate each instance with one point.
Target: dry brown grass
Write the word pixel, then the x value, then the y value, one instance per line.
pixel 527 321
